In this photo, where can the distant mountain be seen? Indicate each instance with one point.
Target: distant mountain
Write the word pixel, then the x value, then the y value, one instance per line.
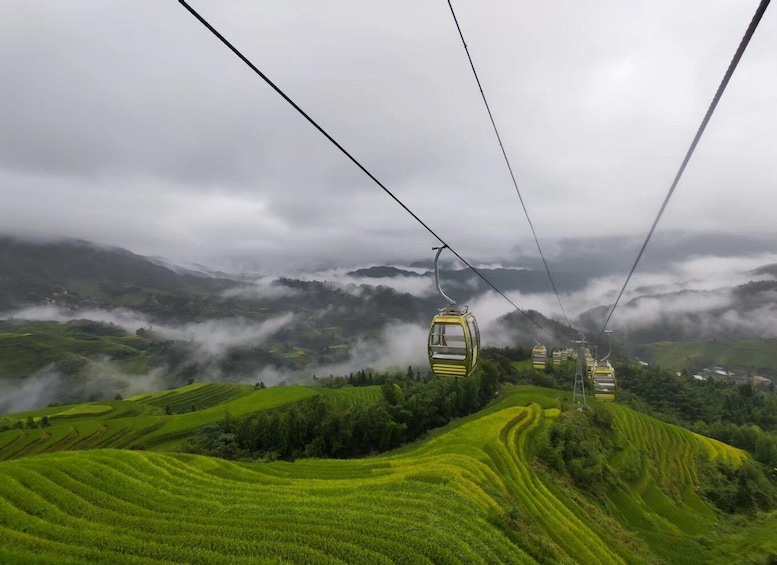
pixel 382 272
pixel 746 311
pixel 197 270
pixel 74 272
pixel 525 330
pixel 770 270
pixel 597 256
pixel 179 326
pixel 466 284
pixel 506 279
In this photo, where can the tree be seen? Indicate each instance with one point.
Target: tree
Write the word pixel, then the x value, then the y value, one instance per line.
pixel 766 450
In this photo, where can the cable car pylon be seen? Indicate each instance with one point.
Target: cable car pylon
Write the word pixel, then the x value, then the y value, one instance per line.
pixel 578 392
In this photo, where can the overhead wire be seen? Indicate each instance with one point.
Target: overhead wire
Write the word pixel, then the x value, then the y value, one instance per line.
pixel 507 162
pixel 718 94
pixel 304 114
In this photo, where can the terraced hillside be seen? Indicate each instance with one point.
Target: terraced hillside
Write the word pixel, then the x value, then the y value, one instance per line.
pixel 27 346
pixel 160 421
pixel 471 493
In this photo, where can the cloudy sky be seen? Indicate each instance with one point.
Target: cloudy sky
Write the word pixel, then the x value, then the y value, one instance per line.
pixel 128 123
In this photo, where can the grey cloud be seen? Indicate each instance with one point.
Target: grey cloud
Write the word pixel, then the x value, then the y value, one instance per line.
pixel 129 124
pixel 212 338
pixel 33 392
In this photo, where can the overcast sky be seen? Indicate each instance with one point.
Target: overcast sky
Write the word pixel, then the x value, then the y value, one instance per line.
pixel 128 123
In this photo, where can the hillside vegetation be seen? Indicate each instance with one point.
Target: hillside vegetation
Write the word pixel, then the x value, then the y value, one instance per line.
pixel 472 492
pixel 694 355
pixel 27 346
pixel 162 420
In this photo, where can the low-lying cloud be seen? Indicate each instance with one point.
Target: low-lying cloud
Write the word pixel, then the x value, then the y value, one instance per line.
pixel 35 391
pixel 397 347
pixel 99 380
pixel 212 337
pixel 691 299
pixel 421 286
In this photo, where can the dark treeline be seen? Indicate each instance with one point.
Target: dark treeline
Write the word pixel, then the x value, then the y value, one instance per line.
pixel 738 414
pixel 561 377
pixel 411 404
pixel 409 407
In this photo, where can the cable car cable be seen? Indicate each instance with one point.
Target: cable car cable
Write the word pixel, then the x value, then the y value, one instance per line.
pixel 507 161
pixel 721 88
pixel 353 159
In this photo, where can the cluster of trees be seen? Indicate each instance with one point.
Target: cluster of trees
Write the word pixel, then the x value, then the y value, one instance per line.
pixel 561 377
pixel 731 489
pixel 579 443
pixel 368 378
pixel 690 400
pixel 30 423
pixel 320 427
pixel 737 414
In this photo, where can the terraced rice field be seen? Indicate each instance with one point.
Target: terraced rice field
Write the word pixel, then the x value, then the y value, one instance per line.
pixel 436 503
pixel 663 502
pixel 353 396
pixel 471 493
pixel 140 422
pixel 197 396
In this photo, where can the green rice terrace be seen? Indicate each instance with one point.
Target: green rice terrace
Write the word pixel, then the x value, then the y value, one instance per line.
pixel 474 491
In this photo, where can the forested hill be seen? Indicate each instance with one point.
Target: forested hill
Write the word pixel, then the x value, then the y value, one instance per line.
pixel 744 311
pixel 76 275
pixel 467 284
pixel 89 275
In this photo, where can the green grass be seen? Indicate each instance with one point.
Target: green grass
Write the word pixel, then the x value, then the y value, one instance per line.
pixel 524 365
pixel 471 492
pixel 84 410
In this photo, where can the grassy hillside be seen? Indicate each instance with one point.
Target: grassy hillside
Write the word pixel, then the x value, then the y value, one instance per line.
pixel 161 421
pixel 471 493
pixel 27 346
pixel 752 354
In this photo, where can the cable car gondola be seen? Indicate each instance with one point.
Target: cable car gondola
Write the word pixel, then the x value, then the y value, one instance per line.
pixel 557 358
pixel 454 337
pixel 604 375
pixel 539 356
pixel 604 381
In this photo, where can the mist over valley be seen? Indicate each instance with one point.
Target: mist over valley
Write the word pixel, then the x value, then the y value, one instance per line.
pixel 84 322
